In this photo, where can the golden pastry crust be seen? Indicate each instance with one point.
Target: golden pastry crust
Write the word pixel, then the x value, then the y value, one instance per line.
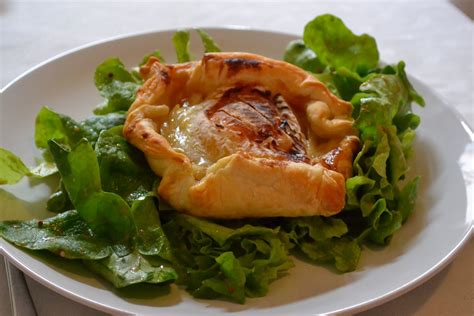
pixel 241 135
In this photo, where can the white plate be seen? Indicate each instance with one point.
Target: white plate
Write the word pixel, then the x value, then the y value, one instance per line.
pixel 434 233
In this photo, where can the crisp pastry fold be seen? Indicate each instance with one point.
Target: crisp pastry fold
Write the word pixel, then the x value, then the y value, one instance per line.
pixel 239 135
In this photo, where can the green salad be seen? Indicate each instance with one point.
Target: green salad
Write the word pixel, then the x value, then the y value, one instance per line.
pixel 109 216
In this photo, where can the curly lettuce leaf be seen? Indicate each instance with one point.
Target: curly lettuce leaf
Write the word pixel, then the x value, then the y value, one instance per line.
pixel 407 198
pixel 94 125
pixel 382 99
pixel 353 185
pixel 386 125
pixel 232 283
pixel 322 240
pixel 384 224
pixel 382 153
pixel 398 165
pixel 341 81
pixel 116 85
pixel 385 100
pixel 221 262
pixel 347 82
pixel 413 95
pixel 389 97
pixel 298 54
pixel 336 46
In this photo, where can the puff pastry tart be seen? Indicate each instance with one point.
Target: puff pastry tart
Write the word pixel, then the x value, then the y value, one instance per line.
pixel 240 135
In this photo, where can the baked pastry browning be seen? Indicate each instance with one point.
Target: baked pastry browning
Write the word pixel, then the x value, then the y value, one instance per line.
pixel 241 135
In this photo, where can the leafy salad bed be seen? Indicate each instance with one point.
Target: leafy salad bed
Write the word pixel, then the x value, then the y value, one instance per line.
pixel 109 216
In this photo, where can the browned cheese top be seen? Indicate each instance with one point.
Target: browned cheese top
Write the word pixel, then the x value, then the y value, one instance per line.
pixel 241 119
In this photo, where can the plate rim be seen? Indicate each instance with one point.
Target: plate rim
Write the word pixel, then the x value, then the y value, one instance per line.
pixel 231 27
pixel 376 301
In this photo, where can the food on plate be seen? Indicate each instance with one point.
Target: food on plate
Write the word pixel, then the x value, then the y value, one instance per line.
pixel 211 173
pixel 239 135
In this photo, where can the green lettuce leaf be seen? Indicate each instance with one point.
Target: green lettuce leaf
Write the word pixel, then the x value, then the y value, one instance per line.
pixel 323 240
pixel 140 250
pixel 131 269
pixel 407 137
pixel 353 185
pixel 343 253
pixel 181 44
pixel 59 201
pixel 385 100
pixel 221 262
pixel 107 213
pixel 155 54
pixel 298 54
pixel 94 125
pixel 123 168
pixel 327 78
pixel 150 238
pixel 52 125
pixel 336 46
pixel 12 169
pixel 398 165
pixel 386 125
pixel 385 224
pixel 65 130
pixel 116 85
pixel 347 82
pixel 382 153
pixel 209 45
pixel 66 235
pixel 407 198
pixel 125 246
pixel 395 93
pixel 232 283
pixel 413 95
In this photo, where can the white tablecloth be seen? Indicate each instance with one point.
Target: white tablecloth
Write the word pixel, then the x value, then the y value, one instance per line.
pixel 433 37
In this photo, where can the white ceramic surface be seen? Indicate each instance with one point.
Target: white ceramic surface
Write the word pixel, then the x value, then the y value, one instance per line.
pixel 431 237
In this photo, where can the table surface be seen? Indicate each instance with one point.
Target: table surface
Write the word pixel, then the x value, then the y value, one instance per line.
pixel 435 39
